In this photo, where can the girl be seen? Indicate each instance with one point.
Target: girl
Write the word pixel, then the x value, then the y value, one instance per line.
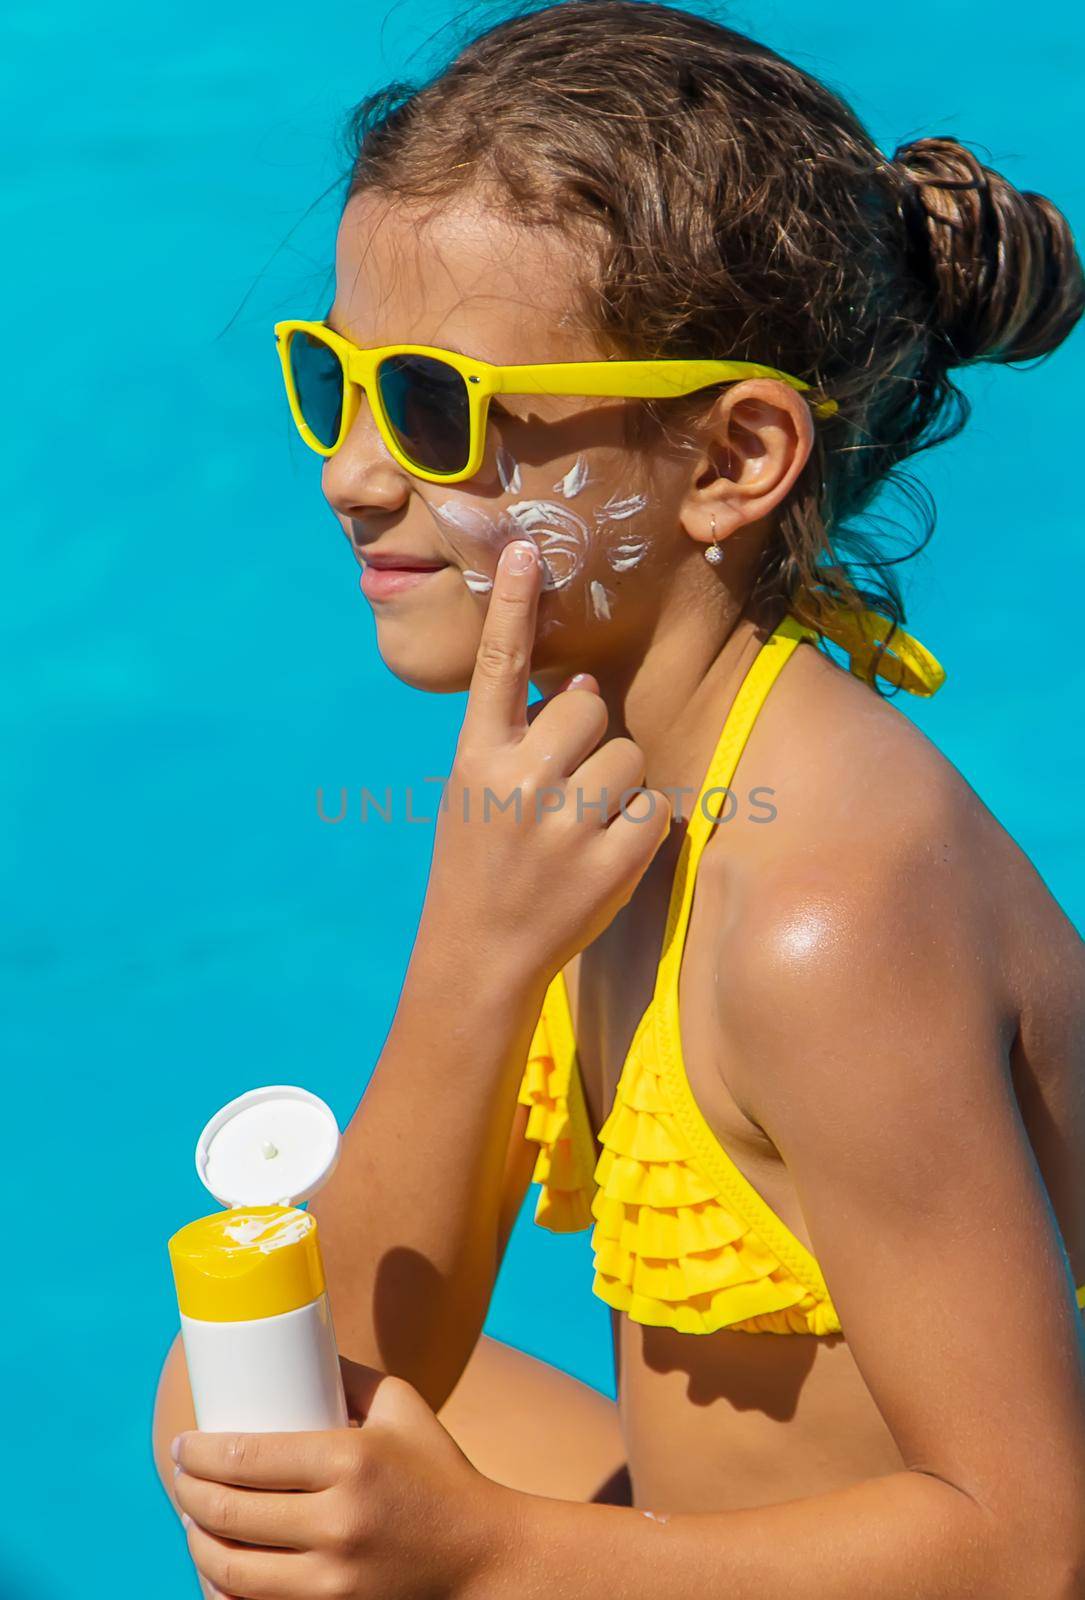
pixel 631 322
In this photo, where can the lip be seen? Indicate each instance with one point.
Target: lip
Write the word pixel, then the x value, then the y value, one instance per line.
pixel 400 560
pixel 385 573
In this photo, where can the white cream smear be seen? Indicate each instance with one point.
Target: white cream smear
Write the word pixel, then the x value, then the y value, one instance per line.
pixel 600 600
pixel 477 582
pixel 466 519
pixel 626 552
pixel 269 1233
pixel 618 507
pixel 561 536
pixel 574 480
pixel 508 470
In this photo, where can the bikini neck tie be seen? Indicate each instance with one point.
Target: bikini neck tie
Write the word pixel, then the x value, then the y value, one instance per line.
pixel 861 633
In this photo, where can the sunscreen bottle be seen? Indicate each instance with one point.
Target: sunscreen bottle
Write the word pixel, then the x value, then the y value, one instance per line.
pixel 255 1318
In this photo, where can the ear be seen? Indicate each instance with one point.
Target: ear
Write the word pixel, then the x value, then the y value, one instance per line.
pixel 757 440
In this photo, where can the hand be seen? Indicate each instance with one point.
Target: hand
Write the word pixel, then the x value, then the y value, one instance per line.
pixel 391 1510
pixel 539 843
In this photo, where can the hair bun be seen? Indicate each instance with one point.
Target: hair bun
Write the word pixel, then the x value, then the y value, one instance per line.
pixel 1000 263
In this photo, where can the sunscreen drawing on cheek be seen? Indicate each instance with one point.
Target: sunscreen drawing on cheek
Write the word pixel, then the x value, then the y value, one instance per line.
pixel 459 517
pixel 477 582
pixel 626 552
pixel 560 534
pixel 574 480
pixel 618 508
pixel 625 549
pixel 461 525
pixel 562 538
pixel 508 470
pixel 600 600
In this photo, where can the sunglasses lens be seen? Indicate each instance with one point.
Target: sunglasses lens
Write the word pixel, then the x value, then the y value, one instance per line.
pixel 318 384
pixel 425 402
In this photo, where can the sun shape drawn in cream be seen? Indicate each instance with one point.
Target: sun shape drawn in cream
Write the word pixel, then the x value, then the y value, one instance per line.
pixel 562 538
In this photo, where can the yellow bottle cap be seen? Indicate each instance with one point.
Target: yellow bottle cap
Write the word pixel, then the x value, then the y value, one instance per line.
pixel 246 1263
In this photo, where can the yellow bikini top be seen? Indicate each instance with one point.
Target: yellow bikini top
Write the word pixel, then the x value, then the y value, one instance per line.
pixel 681 1239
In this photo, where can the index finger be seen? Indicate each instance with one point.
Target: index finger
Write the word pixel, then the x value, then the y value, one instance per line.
pixel 263 1460
pixel 497 701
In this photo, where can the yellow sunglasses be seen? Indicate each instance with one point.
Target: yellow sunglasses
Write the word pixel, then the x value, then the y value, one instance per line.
pixel 430 405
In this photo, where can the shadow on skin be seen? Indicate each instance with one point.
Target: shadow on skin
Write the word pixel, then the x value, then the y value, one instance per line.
pixel 750 1373
pixel 549 440
pixel 405 1279
pixel 520 1421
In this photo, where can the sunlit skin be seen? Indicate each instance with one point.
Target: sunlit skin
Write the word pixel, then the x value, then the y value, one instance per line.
pixel 882 1019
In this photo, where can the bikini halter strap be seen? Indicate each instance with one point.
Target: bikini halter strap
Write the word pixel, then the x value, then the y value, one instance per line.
pixel 860 634
pixel 908 664
pixel 714 796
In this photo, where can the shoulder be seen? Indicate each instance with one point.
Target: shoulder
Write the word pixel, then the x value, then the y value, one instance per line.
pixel 865 906
pixel 868 817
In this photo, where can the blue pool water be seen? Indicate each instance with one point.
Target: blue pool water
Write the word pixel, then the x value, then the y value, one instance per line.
pixel 186 658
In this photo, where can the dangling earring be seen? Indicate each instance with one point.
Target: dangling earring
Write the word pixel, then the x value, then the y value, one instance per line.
pixel 714 553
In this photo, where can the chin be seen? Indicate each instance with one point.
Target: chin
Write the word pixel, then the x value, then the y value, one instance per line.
pixel 424 666
pixel 437 653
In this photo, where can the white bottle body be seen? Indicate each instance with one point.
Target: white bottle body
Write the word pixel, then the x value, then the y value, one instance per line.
pixel 269 1375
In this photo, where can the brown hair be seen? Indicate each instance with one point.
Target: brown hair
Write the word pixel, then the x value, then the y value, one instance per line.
pixel 736 207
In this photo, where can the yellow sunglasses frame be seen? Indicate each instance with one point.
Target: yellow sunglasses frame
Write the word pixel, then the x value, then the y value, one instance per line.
pixel 658 379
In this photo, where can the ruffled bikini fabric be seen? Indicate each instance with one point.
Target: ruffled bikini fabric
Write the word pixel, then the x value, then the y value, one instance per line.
pixel 669 1251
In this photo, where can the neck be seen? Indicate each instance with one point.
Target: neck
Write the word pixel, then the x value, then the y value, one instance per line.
pixel 675 701
pixel 672 695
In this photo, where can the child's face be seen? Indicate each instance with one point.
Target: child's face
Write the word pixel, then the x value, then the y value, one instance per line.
pixel 603 514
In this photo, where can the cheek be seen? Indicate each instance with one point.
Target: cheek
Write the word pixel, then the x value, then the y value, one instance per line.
pixel 615 525
pixel 624 524
pixel 473 534
pixel 562 535
pixel 589 526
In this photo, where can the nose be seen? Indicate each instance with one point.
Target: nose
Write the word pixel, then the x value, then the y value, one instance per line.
pixel 361 476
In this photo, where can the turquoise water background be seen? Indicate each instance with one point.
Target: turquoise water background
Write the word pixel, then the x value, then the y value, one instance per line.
pixel 186 658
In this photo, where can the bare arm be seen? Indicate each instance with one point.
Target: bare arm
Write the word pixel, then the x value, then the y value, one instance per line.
pixel 434 1166
pixel 874 1052
pixel 414 1221
pixel 908 1536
